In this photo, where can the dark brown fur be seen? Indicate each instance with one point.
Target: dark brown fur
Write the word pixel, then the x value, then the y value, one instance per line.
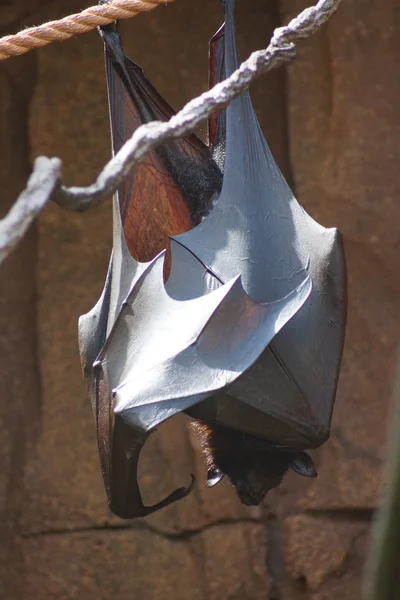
pixel 252 471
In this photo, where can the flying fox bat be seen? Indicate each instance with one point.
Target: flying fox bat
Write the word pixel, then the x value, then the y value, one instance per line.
pixel 224 299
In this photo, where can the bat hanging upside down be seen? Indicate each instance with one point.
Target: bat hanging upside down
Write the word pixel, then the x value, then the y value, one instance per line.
pixel 224 299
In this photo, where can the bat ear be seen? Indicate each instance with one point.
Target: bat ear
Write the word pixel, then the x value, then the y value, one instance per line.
pixel 302 464
pixel 214 476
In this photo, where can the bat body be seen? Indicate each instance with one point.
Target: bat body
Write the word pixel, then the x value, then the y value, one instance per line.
pixel 223 299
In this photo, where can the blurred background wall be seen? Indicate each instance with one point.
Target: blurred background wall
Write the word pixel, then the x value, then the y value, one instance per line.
pixel 333 124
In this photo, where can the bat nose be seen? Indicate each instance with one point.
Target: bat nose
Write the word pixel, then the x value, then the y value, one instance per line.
pixel 248 495
pixel 250 499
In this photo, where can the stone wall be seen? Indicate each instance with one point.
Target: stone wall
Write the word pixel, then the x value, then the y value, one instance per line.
pixel 332 123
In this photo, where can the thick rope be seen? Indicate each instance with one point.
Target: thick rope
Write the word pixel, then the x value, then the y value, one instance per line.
pixel 58 31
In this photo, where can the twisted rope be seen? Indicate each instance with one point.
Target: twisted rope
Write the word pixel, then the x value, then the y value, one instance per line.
pixel 281 50
pixel 58 31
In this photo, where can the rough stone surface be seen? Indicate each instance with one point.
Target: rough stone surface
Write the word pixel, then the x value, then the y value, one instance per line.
pixel 343 131
pixel 57 538
pixel 19 375
pixel 344 127
pixel 325 555
pixel 16 14
pixel 141 563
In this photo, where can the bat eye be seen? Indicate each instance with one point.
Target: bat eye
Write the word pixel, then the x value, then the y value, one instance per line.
pixel 302 464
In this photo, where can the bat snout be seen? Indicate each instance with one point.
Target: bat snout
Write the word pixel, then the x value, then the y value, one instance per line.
pixel 248 494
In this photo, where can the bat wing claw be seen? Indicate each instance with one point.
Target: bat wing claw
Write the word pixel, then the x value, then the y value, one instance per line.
pixel 176 495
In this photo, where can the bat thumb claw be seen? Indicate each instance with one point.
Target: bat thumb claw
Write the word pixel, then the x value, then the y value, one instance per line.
pixel 174 497
pixel 182 492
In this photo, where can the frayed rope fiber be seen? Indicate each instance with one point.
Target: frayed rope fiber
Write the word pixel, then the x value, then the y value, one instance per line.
pixel 58 31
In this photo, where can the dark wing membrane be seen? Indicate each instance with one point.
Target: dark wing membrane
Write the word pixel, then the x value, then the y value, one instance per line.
pixel 174 185
pixel 119 450
pixel 166 194
pixel 217 121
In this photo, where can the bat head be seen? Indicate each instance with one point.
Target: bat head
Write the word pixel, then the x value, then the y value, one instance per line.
pixel 252 473
pixel 254 466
